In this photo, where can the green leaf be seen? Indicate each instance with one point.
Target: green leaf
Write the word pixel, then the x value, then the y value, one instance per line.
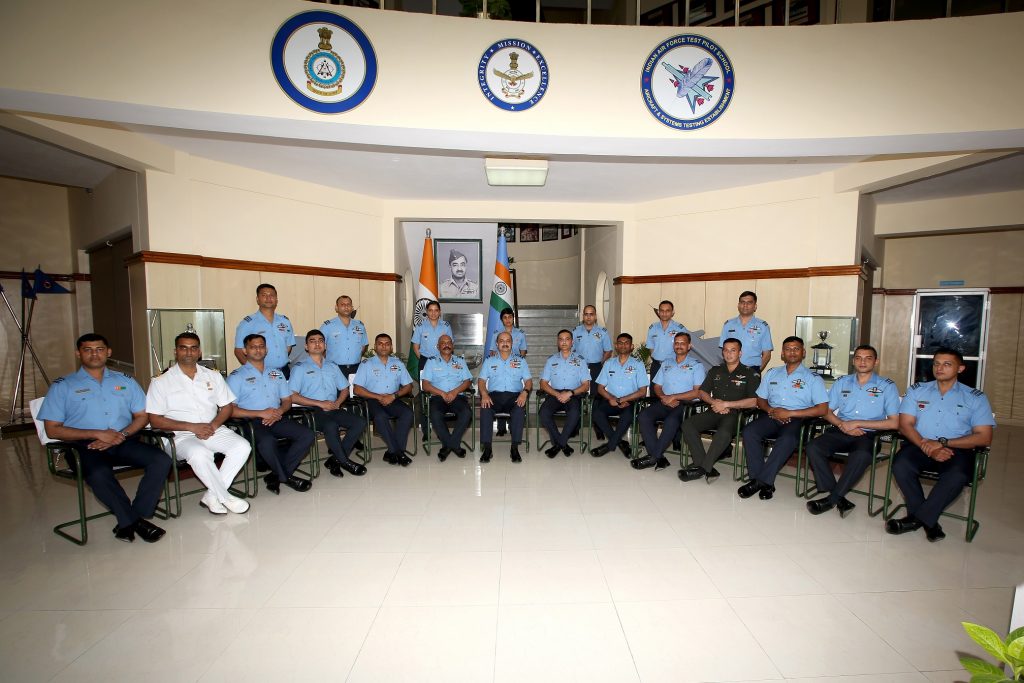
pixel 987 638
pixel 1014 635
pixel 1015 652
pixel 990 678
pixel 979 667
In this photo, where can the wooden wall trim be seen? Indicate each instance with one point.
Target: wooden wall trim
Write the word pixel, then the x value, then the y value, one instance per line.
pixel 909 292
pixel 59 277
pixel 781 273
pixel 234 264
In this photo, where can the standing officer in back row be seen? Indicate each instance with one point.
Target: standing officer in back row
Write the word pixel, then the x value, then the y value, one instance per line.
pixel 345 337
pixel 592 342
pixel 752 332
pixel 661 336
pixel 276 329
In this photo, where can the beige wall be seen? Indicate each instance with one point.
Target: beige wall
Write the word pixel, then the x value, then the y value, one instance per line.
pixel 602 253
pixel 547 273
pixel 972 212
pixel 987 259
pixel 110 209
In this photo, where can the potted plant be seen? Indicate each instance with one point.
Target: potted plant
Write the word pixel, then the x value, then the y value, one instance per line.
pixel 496 9
pixel 1009 651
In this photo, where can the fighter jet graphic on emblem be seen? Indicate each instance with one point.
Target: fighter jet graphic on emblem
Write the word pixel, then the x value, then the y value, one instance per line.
pixel 513 81
pixel 693 83
pixel 324 67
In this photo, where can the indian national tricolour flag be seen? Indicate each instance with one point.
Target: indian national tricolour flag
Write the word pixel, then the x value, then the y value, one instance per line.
pixel 501 293
pixel 426 291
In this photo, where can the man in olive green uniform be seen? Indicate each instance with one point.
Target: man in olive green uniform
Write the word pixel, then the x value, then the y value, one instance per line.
pixel 728 389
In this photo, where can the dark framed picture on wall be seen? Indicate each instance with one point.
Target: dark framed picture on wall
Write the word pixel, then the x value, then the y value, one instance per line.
pixel 529 233
pixel 549 233
pixel 458 270
pixel 566 232
pixel 509 231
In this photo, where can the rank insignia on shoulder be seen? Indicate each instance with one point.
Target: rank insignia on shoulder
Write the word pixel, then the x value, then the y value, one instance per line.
pixel 976 392
pixel 915 385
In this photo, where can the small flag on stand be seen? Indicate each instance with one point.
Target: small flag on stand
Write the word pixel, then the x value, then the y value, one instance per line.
pixel 46 284
pixel 426 291
pixel 501 293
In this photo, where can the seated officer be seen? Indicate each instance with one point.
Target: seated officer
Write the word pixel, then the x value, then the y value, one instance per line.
pixel 860 404
pixel 426 334
pixel 622 382
pixel 100 411
pixel 789 395
pixel 381 381
pixel 444 378
pixel 565 380
pixel 318 384
pixel 194 402
pixel 262 398
pixel 728 389
pixel 504 383
pixel 508 319
pixel 943 421
pixel 675 386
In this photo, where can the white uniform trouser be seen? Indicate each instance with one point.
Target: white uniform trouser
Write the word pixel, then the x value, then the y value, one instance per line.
pixel 199 455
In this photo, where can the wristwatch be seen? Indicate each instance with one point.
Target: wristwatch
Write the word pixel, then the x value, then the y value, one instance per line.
pixel 943 441
pixel 123 433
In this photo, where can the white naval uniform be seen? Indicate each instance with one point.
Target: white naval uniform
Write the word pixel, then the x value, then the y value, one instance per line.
pixel 177 397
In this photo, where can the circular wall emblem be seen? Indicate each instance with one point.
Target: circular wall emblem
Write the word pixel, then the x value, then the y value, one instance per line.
pixel 513 75
pixel 323 62
pixel 687 82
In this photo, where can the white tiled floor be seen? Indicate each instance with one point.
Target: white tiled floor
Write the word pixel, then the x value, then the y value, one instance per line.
pixel 572 569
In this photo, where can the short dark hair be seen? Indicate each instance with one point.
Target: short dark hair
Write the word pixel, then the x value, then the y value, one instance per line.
pixel 251 337
pixel 568 332
pixel 684 334
pixel 91 337
pixel 343 296
pixel 666 301
pixel 732 340
pixel 265 285
pixel 867 347
pixel 793 338
pixel 590 306
pixel 747 292
pixel 187 335
pixel 949 351
pixel 507 311
pixel 454 254
pixel 315 333
pixel 433 302
pixel 624 335
pixel 385 335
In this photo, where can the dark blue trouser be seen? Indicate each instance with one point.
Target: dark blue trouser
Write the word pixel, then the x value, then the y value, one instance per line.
pixel 503 402
pixel 787 437
pixel 98 472
pixel 954 475
pixel 858 450
pixel 604 410
pixel 300 439
pixel 671 419
pixel 395 437
pixel 330 422
pixel 547 412
pixel 452 440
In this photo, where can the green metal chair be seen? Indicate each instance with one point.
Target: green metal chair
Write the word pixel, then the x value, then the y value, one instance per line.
pixel 979 471
pixel 424 408
pixel 884 440
pixel 71 469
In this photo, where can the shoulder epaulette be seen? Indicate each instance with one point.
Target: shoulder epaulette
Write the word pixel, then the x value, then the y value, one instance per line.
pixel 237 370
pixel 327 322
pixel 284 316
pixel 886 380
pixel 916 385
pixel 363 361
pixel 977 392
pixel 58 380
pixel 247 318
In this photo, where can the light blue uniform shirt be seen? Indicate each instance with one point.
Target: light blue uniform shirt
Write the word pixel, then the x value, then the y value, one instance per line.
pixel 592 344
pixel 446 376
pixel 382 377
pixel 565 373
pixel 320 383
pixel 623 379
pixel 518 341
pixel 79 401
pixel 344 342
pixel 952 416
pixel 876 399
pixel 505 374
pixel 677 378
pixel 755 337
pixel 278 334
pixel 660 341
pixel 255 390
pixel 798 391
pixel 426 335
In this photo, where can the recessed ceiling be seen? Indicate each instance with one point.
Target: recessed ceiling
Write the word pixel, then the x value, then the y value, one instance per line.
pixel 30 159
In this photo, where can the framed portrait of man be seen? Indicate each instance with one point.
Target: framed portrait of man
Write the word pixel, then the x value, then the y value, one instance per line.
pixel 458 270
pixel 509 230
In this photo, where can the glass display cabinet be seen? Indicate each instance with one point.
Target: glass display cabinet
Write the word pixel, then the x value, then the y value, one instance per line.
pixel 167 323
pixel 829 341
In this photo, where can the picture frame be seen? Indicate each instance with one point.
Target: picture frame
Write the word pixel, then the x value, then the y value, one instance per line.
pixel 566 232
pixel 549 233
pixel 458 266
pixel 529 233
pixel 509 230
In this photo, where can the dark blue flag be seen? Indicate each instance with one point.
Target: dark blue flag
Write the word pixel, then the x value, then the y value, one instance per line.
pixel 27 292
pixel 46 284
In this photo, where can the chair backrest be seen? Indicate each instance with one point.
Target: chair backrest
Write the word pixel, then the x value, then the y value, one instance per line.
pixel 35 405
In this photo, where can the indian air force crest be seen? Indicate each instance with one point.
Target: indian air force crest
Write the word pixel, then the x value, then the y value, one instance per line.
pixel 513 75
pixel 323 62
pixel 687 82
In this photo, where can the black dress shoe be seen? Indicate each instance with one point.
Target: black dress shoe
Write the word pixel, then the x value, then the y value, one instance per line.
pixel 402 459
pixel 335 469
pixel 822 505
pixel 461 452
pixel 691 473
pixel 442 454
pixel 151 533
pixel 661 464
pixel 298 484
pixel 845 507
pixel 624 447
pixel 514 454
pixel 331 462
pixel 487 454
pixel 352 468
pixel 643 463
pixel 389 458
pixel 766 492
pixel 553 451
pixel 126 534
pixel 600 450
pixel 568 450
pixel 749 489
pixel 902 525
pixel 934 533
pixel 273 484
pixel 712 476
